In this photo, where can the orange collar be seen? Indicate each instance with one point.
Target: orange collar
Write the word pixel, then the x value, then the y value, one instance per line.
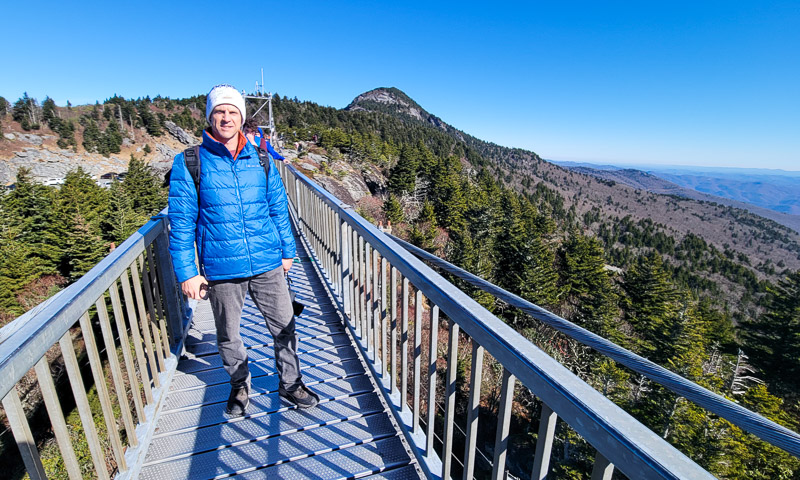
pixel 242 141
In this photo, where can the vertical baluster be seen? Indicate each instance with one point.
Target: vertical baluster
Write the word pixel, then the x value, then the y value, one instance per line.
pixel 417 356
pixel 23 436
pixel 345 277
pixel 116 370
pixel 433 356
pixel 394 329
pixel 450 401
pixel 363 284
pixel 152 320
pixel 337 252
pixel 137 341
pixel 122 330
pixel 82 403
pixel 376 305
pixel 475 381
pixel 404 348
pixel 368 310
pixel 356 283
pixel 544 443
pixel 384 317
pixel 60 429
pixel 102 391
pixel 503 423
pixel 145 324
pixel 603 469
pixel 162 324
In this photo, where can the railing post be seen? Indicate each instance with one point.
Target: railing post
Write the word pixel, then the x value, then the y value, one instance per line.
pixel 344 255
pixel 603 469
pixel 544 443
pixel 173 299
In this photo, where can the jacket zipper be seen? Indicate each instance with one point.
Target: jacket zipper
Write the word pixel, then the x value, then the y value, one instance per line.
pixel 241 210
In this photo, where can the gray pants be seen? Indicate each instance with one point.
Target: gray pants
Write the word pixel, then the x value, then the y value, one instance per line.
pixel 271 295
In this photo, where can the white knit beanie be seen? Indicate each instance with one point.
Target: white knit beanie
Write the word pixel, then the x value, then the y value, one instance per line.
pixel 224 94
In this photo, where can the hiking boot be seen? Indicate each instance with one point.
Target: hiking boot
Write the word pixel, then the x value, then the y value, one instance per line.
pixel 238 401
pixel 302 396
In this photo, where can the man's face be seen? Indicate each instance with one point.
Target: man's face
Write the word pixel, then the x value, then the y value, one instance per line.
pixel 225 122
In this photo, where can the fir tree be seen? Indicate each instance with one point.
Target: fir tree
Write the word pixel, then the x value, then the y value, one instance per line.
pixel 403 176
pixel 652 306
pixel 84 249
pixel 144 188
pixel 587 288
pixel 393 210
pixel 774 339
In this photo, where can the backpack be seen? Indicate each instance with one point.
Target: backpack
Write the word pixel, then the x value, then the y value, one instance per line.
pixel 191 157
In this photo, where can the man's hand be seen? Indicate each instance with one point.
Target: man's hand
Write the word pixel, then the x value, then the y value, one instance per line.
pixel 287 264
pixel 191 287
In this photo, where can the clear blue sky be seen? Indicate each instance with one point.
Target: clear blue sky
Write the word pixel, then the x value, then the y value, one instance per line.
pixel 673 82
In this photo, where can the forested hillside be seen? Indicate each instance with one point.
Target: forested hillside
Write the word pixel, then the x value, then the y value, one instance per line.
pixel 693 286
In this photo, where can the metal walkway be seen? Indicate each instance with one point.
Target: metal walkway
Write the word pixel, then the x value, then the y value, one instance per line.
pixel 351 434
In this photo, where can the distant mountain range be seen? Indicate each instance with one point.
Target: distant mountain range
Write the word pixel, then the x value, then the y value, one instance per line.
pixel 773 194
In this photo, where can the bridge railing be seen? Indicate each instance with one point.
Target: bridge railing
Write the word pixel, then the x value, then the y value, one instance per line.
pixel 396 306
pixel 125 317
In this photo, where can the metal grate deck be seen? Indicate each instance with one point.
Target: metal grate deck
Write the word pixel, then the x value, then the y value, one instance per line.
pixel 349 435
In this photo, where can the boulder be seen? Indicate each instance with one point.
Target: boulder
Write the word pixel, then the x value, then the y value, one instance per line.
pixel 180 134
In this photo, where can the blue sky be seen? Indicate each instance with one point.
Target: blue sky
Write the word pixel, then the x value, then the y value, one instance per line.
pixel 681 83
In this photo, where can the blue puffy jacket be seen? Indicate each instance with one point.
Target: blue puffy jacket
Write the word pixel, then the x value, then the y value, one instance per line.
pixel 241 227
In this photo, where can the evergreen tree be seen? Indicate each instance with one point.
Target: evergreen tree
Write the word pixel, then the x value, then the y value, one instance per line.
pixel 84 249
pixel 150 121
pixel 586 287
pixel 447 194
pixel 4 105
pixel 26 112
pixel 92 138
pixel 424 231
pixel 144 189
pixel 393 210
pixel 403 176
pixel 121 221
pixel 652 307
pixel 774 339
pixel 111 141
pixel 28 211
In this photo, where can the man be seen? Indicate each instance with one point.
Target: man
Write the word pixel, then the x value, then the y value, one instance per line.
pixel 238 218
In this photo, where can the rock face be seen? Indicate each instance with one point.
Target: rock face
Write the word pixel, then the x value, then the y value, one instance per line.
pixel 46 163
pixel 180 134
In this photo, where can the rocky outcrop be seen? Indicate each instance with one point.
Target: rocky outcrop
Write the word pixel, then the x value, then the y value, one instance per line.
pixel 180 134
pixel 46 164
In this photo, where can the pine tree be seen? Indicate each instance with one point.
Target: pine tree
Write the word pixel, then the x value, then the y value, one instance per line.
pixel 652 307
pixel 4 105
pixel 84 249
pixel 774 339
pixel 447 194
pixel 393 210
pixel 26 112
pixel 122 221
pixel 403 176
pixel 587 288
pixel 28 210
pixel 144 188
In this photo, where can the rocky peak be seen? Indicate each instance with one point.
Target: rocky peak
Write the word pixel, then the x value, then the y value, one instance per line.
pixel 395 102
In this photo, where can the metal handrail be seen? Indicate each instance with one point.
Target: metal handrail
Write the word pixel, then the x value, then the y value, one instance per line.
pixel 345 246
pixel 752 422
pixel 148 313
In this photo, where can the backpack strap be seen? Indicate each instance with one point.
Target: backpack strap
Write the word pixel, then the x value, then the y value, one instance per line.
pixel 264 160
pixel 191 157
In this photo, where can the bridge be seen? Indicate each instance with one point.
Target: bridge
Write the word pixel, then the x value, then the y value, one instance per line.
pixel 382 339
